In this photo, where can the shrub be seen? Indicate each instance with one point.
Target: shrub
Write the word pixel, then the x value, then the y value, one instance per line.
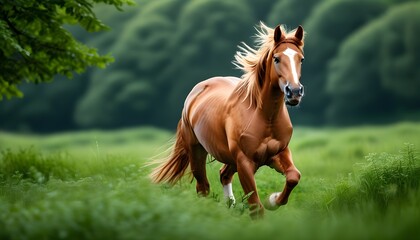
pixel 383 179
pixel 29 164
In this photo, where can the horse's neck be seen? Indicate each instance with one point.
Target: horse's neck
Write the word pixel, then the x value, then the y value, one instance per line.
pixel 272 102
pixel 272 97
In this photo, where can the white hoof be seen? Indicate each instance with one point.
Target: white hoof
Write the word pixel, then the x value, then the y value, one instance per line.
pixel 230 201
pixel 270 203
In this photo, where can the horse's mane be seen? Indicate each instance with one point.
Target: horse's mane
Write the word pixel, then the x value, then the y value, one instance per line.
pixel 253 61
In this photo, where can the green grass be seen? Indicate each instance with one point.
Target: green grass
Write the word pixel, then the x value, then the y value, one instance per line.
pixel 357 183
pixel 140 143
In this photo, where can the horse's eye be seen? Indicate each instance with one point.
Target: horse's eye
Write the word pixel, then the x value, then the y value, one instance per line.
pixel 276 60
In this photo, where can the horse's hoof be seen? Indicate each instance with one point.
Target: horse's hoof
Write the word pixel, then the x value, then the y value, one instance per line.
pixel 230 201
pixel 270 202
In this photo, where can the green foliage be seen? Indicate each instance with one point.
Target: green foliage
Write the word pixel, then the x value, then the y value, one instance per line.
pixel 291 13
pixel 330 23
pixel 389 177
pixel 380 61
pixel 45 107
pixel 35 46
pixel 31 165
pixel 173 53
pixel 399 53
pixel 384 179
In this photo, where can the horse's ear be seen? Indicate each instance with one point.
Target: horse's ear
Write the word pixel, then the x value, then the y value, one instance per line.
pixel 299 33
pixel 278 35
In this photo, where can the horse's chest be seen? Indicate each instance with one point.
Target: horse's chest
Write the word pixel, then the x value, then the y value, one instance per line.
pixel 261 149
pixel 267 149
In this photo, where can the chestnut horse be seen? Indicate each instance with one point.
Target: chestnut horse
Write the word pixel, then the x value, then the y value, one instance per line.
pixel 243 122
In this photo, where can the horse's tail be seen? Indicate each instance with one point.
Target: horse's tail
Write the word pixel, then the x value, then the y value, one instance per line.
pixel 173 168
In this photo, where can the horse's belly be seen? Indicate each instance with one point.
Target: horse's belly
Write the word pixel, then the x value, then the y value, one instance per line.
pixel 214 141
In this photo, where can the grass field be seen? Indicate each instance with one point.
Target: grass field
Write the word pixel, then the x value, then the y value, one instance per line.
pixel 357 183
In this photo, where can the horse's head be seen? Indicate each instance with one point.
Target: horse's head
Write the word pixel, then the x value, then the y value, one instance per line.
pixel 286 64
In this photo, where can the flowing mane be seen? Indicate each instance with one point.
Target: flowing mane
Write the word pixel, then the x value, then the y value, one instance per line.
pixel 253 61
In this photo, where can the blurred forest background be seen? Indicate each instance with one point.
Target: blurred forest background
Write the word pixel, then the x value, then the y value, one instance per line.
pixel 361 63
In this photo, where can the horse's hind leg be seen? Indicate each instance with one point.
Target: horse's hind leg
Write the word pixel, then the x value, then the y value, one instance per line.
pixel 226 175
pixel 198 169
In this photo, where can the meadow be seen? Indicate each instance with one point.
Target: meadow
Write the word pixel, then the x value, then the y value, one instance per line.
pixel 357 183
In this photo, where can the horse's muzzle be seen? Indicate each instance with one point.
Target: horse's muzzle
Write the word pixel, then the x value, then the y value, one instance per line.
pixel 293 95
pixel 292 92
pixel 292 102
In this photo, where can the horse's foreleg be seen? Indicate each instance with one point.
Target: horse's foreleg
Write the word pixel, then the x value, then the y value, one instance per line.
pixel 246 170
pixel 226 175
pixel 283 163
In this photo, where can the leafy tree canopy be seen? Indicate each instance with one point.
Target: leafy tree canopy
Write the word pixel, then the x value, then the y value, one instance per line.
pixel 291 13
pixel 376 70
pixel 162 52
pixel 329 24
pixel 35 46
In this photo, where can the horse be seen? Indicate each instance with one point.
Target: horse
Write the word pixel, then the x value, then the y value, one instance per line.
pixel 243 122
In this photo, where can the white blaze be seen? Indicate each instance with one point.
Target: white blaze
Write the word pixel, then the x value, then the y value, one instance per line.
pixel 291 54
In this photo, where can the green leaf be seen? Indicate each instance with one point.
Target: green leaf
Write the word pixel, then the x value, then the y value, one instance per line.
pixel 34 45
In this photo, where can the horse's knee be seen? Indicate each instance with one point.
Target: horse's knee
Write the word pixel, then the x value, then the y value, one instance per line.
pixel 226 174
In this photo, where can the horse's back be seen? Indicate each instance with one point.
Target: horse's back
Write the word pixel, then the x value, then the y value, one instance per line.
pixel 210 94
pixel 221 86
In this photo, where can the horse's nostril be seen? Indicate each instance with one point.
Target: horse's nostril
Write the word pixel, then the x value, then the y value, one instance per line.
pixel 301 91
pixel 288 92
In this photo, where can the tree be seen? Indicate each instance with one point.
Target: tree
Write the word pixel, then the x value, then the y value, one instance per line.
pixel 35 46
pixel 259 9
pixel 209 43
pixel 161 53
pixel 291 12
pixel 375 77
pixel 45 108
pixel 330 23
pixel 129 85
